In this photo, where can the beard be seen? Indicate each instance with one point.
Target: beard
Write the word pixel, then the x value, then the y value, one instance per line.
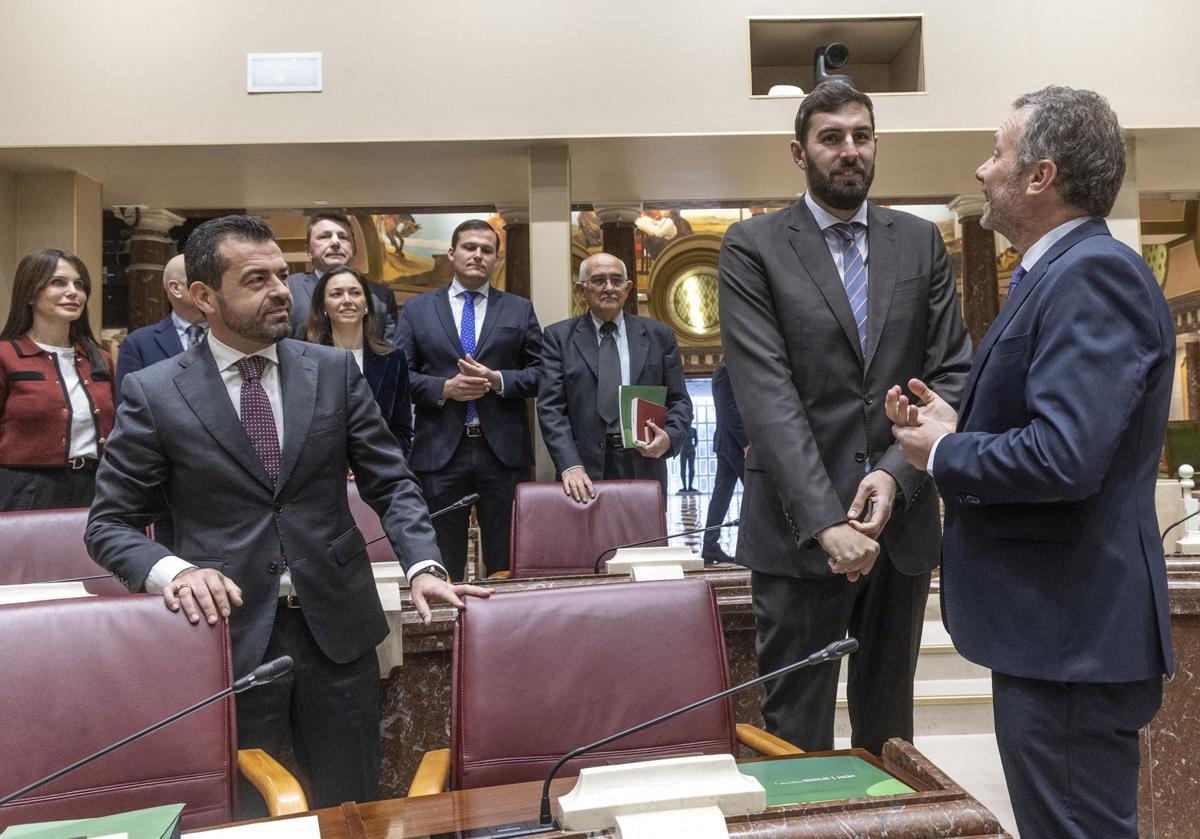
pixel 255 327
pixel 841 195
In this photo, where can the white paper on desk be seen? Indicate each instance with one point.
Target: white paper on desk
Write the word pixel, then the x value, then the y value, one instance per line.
pixel 304 827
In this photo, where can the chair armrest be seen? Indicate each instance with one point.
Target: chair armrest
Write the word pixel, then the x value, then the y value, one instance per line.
pixel 499 575
pixel 278 788
pixel 765 744
pixel 432 774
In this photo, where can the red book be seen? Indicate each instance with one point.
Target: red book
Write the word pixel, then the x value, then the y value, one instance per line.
pixel 644 411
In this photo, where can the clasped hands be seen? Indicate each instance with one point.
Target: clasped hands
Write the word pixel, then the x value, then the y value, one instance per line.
pixel 472 381
pixel 852 546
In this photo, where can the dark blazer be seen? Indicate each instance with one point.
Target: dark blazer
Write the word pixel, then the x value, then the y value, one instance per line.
pixel 729 436
pixel 179 444
pixel 387 376
pixel 145 346
pixel 303 284
pixel 811 404
pixel 571 424
pixel 510 342
pixel 1052 566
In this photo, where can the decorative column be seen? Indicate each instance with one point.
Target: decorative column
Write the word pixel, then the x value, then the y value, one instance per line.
pixel 618 238
pixel 980 296
pixel 1191 365
pixel 150 248
pixel 516 248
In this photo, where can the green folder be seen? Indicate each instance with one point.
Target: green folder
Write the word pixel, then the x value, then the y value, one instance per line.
pixel 151 823
pixel 807 779
pixel 651 393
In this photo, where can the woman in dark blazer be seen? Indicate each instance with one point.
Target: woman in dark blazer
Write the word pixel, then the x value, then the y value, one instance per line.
pixel 56 387
pixel 343 315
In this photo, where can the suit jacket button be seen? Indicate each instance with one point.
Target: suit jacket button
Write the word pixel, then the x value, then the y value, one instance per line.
pixel 971 499
pixel 273 568
pixel 279 508
pixel 860 457
pixel 868 399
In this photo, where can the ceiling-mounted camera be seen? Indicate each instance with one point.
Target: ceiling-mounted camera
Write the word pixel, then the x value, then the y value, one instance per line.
pixel 831 57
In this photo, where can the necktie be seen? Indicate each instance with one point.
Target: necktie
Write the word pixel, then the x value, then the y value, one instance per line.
pixel 194 333
pixel 466 336
pixel 1018 274
pixel 608 375
pixel 257 417
pixel 854 279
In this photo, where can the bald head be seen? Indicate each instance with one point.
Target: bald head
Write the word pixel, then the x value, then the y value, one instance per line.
pixel 176 285
pixel 603 284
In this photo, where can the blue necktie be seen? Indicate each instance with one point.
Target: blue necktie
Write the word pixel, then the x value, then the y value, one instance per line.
pixel 854 279
pixel 466 336
pixel 1018 274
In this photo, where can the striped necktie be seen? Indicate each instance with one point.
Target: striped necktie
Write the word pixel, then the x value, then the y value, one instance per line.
pixel 854 278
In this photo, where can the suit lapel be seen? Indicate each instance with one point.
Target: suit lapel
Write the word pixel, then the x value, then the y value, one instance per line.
pixel 441 303
pixel 373 368
pixel 298 387
pixel 883 256
pixel 167 338
pixel 1014 303
pixel 639 346
pixel 808 242
pixel 583 336
pixel 495 305
pixel 201 386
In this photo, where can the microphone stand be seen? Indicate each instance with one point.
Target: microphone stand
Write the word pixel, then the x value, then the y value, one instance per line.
pixel 596 566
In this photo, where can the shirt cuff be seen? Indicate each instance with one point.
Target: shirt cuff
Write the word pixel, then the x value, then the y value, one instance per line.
pixel 500 392
pixel 418 567
pixel 933 451
pixel 165 570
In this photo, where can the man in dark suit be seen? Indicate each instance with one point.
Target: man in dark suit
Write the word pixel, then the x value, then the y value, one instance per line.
pixel 183 328
pixel 246 440
pixel 586 359
pixel 729 445
pixel 1052 568
pixel 329 243
pixel 475 353
pixel 822 306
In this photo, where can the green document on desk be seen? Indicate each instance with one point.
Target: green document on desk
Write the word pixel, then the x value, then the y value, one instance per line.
pixel 807 779
pixel 151 823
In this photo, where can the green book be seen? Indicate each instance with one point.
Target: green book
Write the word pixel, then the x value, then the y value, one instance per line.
pixel 151 823
pixel 803 780
pixel 651 393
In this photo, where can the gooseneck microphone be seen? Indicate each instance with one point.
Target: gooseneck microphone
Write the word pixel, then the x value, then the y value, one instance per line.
pixel 465 501
pixel 834 651
pixel 615 548
pixel 261 675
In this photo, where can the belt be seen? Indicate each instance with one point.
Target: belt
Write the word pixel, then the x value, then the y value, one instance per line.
pixel 614 441
pixel 79 463
pixel 291 601
pixel 473 430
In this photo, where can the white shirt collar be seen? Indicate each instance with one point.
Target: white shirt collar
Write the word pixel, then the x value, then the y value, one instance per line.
pixel 457 288
pixel 619 320
pixel 226 356
pixel 825 218
pixel 1039 248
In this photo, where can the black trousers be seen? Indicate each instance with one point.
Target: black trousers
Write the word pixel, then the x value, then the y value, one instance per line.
pixel 49 488
pixel 729 471
pixel 687 468
pixel 329 711
pixel 797 616
pixel 1070 753
pixel 473 468
pixel 621 464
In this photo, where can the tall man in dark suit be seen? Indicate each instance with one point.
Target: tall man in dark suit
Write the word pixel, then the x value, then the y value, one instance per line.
pixel 475 354
pixel 729 444
pixel 823 305
pixel 182 329
pixel 246 440
pixel 1052 568
pixel 329 243
pixel 586 359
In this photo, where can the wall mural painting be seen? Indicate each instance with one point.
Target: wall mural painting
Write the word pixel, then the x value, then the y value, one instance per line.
pixel 409 250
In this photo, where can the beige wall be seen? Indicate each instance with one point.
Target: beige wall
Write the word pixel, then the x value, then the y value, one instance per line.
pixel 144 72
pixel 8 238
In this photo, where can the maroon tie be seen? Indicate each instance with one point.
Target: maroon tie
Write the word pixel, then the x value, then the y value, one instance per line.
pixel 257 417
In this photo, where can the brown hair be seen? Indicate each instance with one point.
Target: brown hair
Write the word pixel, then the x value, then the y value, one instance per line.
pixel 318 331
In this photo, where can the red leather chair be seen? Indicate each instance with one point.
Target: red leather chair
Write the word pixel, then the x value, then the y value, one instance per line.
pixel 555 536
pixel 37 546
pixel 538 673
pixel 368 522
pixel 82 673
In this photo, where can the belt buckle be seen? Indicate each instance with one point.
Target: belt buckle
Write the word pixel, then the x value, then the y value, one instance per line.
pixel 293 602
pixel 474 431
pixel 78 463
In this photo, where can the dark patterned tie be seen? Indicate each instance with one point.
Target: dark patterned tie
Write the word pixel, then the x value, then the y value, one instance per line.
pixel 854 278
pixel 466 336
pixel 194 333
pixel 1018 274
pixel 257 416
pixel 608 375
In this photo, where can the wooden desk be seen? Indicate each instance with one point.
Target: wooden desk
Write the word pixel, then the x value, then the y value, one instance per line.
pixel 941 808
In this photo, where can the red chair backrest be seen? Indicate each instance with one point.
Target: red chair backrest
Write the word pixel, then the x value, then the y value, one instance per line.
pixel 80 674
pixel 554 536
pixel 37 546
pixel 538 673
pixel 368 522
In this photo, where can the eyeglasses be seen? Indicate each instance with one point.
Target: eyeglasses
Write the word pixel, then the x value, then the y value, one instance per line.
pixel 599 281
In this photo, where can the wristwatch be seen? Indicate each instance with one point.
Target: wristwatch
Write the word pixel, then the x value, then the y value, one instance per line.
pixel 435 570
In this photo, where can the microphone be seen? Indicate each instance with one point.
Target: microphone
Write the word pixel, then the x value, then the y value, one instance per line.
pixel 262 674
pixel 465 501
pixel 596 566
pixel 69 580
pixel 834 651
